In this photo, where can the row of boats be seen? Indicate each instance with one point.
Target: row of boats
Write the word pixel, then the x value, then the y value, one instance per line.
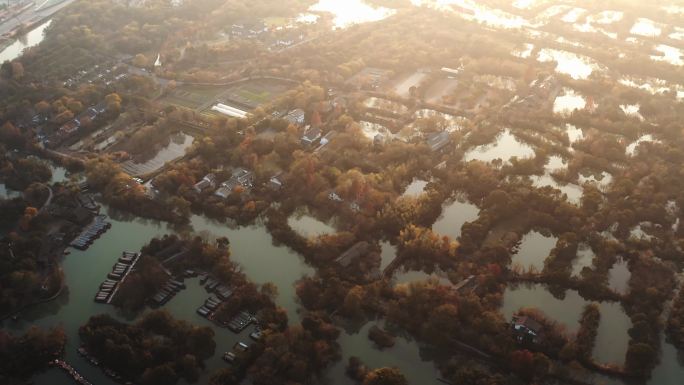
pixel 71 371
pixel 91 232
pixel 125 264
pixel 109 372
pixel 170 289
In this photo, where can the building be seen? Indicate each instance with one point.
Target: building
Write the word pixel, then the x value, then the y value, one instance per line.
pixel 438 140
pixel 209 181
pixel 359 249
pixel 241 177
pixel 275 183
pixel 311 136
pixel 334 197
pixel 526 329
pixel 296 116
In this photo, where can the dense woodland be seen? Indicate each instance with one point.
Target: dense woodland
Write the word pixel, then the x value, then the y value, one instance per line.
pixel 369 180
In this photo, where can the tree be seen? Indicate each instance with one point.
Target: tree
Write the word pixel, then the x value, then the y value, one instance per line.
pixel 160 375
pixel 385 376
pixel 640 358
pixel 17 70
pixel 140 60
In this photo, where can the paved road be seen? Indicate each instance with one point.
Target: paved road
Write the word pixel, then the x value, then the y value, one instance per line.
pixel 32 15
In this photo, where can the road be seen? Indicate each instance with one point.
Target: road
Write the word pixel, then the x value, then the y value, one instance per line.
pixel 32 15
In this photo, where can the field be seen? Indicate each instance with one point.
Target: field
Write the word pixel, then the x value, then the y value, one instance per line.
pixel 245 96
pixel 193 97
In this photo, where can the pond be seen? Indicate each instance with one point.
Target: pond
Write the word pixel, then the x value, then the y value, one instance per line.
pixel 417 187
pixel 606 17
pixel 251 247
pixel 526 52
pixel 602 181
pixel 573 15
pixel 31 39
pixel 408 276
pixel 406 355
pixel 505 147
pixel 612 338
pixel 454 216
pixel 173 150
pixel 668 54
pixel 632 147
pixel 351 12
pixel 585 258
pixel 370 130
pixel 533 250
pixel 646 27
pixel 572 191
pixel 618 276
pixel 577 66
pixel 387 254
pixel 567 311
pixel 308 226
pixel 574 133
pixel 568 102
pixel 430 120
pixel 632 110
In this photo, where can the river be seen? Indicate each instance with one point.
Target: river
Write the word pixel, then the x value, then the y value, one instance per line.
pixel 33 38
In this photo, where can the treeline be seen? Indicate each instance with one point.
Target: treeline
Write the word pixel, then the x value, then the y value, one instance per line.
pixel 155 350
pixel 22 356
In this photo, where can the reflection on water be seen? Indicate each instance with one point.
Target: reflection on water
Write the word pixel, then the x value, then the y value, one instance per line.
pixel 406 355
pixel 453 217
pixel 350 12
pixel 646 27
pixel 33 38
pixel 668 54
pixel 632 147
pixel 175 149
pixel 577 66
pixel 585 258
pixel 618 276
pixel 308 226
pixel 387 254
pixel 574 133
pixel 612 338
pixel 572 191
pixel 569 102
pixel 566 311
pixel 505 147
pixel 416 187
pixel 533 250
pixel 253 249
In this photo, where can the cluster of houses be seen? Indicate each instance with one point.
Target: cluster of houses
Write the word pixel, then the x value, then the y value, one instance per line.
pixel 71 127
pixel 240 178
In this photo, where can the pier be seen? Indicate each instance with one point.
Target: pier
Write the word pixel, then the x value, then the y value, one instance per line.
pixel 71 371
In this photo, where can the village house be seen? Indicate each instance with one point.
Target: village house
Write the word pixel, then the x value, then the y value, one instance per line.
pixel 526 329
pixel 359 249
pixel 334 197
pixel 311 136
pixel 296 116
pixel 275 183
pixel 438 140
pixel 240 177
pixel 209 181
